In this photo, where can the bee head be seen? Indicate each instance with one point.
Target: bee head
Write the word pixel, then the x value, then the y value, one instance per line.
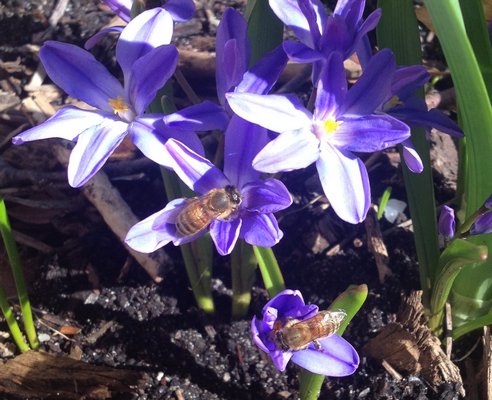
pixel 234 195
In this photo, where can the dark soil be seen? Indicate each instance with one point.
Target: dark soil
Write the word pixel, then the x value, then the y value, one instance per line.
pixel 127 321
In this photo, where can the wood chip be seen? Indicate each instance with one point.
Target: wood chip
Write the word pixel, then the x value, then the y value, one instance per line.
pixel 70 330
pixel 42 375
pixel 409 346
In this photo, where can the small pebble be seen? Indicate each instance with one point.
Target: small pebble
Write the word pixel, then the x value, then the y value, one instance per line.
pixel 44 337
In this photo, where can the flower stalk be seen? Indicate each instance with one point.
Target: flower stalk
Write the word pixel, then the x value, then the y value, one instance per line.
pixel 197 257
pixel 12 322
pixel 20 283
pixel 243 269
pixel 351 300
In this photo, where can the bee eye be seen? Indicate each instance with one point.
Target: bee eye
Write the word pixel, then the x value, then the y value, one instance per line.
pixel 236 198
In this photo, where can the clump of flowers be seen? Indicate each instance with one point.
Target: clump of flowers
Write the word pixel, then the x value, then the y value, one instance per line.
pixel 119 110
pixel 334 356
pixel 481 221
pixel 343 122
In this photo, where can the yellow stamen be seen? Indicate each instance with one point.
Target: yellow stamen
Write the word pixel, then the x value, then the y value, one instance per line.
pixel 330 125
pixel 118 105
pixel 394 101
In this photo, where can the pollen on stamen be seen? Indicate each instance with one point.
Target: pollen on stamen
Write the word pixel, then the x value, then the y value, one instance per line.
pixel 394 101
pixel 118 105
pixel 331 125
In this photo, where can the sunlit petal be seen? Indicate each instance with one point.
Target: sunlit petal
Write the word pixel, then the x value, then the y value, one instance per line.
pixel 93 148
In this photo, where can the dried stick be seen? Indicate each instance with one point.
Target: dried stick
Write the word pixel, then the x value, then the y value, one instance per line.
pixel 376 244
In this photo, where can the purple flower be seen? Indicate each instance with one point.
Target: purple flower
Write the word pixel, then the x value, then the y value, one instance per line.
pixel 252 218
pixel 344 121
pixel 336 357
pixel 488 203
pixel 320 34
pixel 446 223
pixel 483 224
pixel 147 62
pixel 406 106
pixel 180 10
pixel 233 50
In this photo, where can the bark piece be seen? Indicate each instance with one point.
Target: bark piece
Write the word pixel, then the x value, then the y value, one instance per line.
pixel 409 346
pixel 42 375
pixel 376 245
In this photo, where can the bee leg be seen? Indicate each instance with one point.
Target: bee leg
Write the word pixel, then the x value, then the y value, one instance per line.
pixel 317 345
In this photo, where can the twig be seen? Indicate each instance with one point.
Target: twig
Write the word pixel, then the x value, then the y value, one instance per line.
pixel 393 372
pixel 31 242
pixel 183 82
pixel 487 361
pixel 449 330
pixel 7 139
pixel 54 330
pixel 58 12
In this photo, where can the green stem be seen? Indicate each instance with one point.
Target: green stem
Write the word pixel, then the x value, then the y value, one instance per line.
pixel 197 256
pixel 12 323
pixel 243 268
pixel 310 385
pixel 270 271
pixel 198 274
pixel 18 275
pixel 351 300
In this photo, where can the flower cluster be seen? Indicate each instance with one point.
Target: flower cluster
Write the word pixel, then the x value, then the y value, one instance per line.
pixel 264 133
pixel 481 220
pixel 331 355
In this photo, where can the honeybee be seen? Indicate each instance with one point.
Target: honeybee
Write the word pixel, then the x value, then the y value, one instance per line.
pixel 296 335
pixel 200 211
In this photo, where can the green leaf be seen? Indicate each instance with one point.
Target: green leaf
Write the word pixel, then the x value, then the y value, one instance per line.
pixel 398 30
pixel 472 325
pixel 471 295
pixel 473 100
pixel 350 301
pixel 459 254
pixel 476 28
pixel 384 202
pixel 265 30
pixel 475 111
